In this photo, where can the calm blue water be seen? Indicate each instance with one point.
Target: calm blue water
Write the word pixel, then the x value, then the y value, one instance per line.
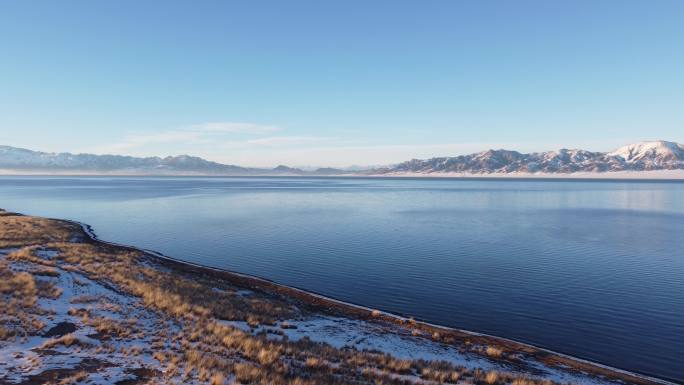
pixel 592 269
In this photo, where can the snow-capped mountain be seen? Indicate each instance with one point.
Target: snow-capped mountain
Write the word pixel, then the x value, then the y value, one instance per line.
pixel 23 159
pixel 643 156
pixel 656 155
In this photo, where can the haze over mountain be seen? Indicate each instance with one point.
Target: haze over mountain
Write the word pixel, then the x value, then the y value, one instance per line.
pixel 643 156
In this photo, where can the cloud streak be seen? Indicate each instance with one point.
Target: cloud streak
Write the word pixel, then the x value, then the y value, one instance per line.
pixel 279 141
pixel 233 127
pixel 185 137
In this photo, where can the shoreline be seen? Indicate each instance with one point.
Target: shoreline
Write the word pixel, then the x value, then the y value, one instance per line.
pixel 354 311
pixel 650 175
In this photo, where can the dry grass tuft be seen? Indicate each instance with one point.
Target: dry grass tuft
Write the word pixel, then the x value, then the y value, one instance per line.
pixel 19 292
pixel 523 381
pixel 77 378
pixel 66 340
pixel 491 378
pixel 217 379
pixel 494 352
pixel 20 230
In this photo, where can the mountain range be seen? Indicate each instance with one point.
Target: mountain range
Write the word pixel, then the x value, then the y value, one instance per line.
pixel 18 160
pixel 642 156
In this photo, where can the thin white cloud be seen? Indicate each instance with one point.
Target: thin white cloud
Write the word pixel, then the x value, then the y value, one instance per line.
pixel 234 127
pixel 279 141
pixel 131 143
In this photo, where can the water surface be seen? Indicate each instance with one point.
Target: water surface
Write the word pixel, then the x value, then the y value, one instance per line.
pixel 589 268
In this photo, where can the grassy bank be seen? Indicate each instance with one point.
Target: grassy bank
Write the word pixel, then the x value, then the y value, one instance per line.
pixel 77 310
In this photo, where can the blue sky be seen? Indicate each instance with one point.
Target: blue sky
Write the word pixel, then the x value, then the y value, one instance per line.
pixel 261 83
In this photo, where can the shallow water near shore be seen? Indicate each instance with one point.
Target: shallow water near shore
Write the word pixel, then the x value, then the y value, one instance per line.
pixel 593 269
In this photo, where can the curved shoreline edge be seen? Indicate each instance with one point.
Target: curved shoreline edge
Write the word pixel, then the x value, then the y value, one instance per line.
pixel 356 311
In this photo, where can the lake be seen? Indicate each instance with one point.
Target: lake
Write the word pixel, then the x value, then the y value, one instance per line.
pixel 594 269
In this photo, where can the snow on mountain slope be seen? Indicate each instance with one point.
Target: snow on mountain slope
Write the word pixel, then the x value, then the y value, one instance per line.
pixel 643 156
pixel 651 154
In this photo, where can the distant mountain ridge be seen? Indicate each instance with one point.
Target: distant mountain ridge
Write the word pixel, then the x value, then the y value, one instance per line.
pixel 642 156
pixel 20 159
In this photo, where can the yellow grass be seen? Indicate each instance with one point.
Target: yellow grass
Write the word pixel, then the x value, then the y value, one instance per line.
pixel 494 352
